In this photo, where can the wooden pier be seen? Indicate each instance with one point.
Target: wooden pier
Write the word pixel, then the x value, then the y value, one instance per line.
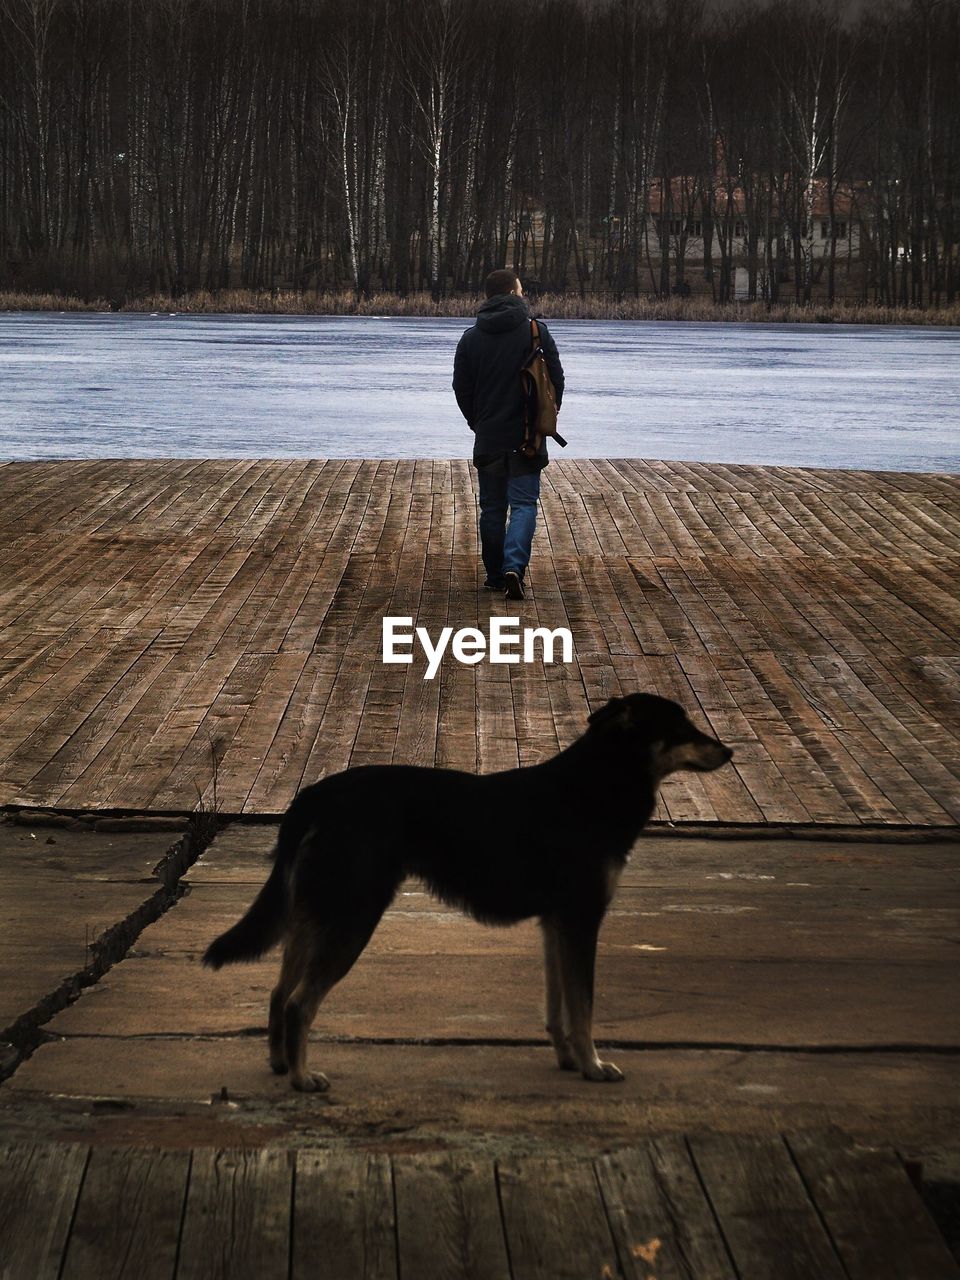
pixel 183 631
pixel 712 1208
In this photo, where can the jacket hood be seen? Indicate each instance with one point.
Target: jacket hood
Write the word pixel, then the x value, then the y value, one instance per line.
pixel 502 313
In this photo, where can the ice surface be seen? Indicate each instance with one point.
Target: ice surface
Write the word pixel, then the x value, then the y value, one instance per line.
pixel 88 386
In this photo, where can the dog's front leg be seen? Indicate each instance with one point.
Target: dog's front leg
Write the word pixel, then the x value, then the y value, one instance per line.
pixel 557 1023
pixel 298 1014
pixel 577 944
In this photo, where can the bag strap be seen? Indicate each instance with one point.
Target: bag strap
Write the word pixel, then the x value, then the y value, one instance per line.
pixel 535 332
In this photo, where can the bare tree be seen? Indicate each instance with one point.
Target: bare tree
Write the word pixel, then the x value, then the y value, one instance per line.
pixel 430 61
pixel 187 144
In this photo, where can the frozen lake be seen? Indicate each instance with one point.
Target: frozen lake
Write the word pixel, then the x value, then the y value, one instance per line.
pixel 89 386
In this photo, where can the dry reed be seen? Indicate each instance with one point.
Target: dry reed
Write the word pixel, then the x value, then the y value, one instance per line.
pixel 560 306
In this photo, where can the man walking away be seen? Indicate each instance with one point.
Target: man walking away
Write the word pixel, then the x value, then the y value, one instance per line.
pixel 486 382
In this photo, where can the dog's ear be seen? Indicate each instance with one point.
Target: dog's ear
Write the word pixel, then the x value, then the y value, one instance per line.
pixel 617 714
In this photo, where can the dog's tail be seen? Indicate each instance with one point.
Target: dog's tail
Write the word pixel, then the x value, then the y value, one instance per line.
pixel 259 930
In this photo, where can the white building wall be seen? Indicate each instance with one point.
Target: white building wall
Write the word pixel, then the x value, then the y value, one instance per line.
pixel 847 243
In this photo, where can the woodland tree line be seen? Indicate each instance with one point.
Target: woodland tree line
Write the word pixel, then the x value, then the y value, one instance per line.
pixel 173 145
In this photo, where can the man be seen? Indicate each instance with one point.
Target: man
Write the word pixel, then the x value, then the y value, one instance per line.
pixel 486 382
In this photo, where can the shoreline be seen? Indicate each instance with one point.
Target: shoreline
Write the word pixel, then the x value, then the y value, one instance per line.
pixel 457 306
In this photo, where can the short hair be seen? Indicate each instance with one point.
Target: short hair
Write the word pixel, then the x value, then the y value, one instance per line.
pixel 501 281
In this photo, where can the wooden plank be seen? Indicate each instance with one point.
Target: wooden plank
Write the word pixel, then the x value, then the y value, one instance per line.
pixel 911 529
pixel 193 770
pixel 332 746
pixel 879 1225
pixel 382 707
pixel 771 1226
pixel 588 636
pixel 236 1225
pixel 660 1218
pixel 710 633
pixel 39 1186
pixel 128 1218
pixel 86 752
pixel 803 708
pixel 50 576
pixel 163 726
pixel 536 732
pixel 677 629
pixel 915 745
pixel 555 1221
pixel 248 748
pixel 612 617
pixel 936 605
pixel 813 605
pixel 664 527
pixel 448 1219
pixel 497 739
pixel 628 527
pixel 638 585
pixel 605 525
pixel 831 685
pixel 343 1217
pixel 555 523
pixel 909 688
pixel 852 611
pixel 714 533
pixel 54 730
pixel 457 745
pixel 940 520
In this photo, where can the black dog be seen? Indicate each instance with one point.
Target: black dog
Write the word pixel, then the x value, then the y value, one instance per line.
pixel 548 841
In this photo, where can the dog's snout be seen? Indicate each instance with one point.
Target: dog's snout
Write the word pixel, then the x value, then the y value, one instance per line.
pixel 719 754
pixel 720 750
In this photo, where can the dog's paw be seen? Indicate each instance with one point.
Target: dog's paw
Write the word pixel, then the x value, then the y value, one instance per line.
pixel 311 1082
pixel 278 1066
pixel 567 1062
pixel 603 1072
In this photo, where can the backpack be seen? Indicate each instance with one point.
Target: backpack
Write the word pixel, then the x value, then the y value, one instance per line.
pixel 539 399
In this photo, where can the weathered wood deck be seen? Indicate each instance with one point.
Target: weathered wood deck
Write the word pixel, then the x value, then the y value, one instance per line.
pixel 157 615
pixel 710 1208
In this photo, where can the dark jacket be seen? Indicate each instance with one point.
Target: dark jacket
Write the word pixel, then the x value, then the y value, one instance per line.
pixel 486 374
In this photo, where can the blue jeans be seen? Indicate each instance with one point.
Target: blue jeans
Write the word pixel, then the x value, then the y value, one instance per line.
pixel 506 547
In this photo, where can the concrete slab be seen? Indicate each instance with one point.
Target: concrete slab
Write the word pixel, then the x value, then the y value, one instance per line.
pixel 64 894
pixel 180 1091
pixel 709 943
pixel 747 984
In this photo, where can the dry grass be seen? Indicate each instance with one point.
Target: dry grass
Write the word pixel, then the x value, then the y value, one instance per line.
pixel 49 302
pixel 560 306
pixel 288 303
pixel 703 310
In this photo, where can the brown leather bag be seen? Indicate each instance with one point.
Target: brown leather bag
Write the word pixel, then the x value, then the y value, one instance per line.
pixel 539 399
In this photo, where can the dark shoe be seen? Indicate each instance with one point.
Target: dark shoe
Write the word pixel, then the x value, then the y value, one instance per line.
pixel 513 586
pixel 494 584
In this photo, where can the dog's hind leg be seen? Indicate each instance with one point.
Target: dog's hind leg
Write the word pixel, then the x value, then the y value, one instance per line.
pixel 290 973
pixel 557 1026
pixel 330 953
pixel 577 947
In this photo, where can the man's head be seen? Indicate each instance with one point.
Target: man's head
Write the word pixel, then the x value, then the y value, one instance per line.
pixel 502 281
